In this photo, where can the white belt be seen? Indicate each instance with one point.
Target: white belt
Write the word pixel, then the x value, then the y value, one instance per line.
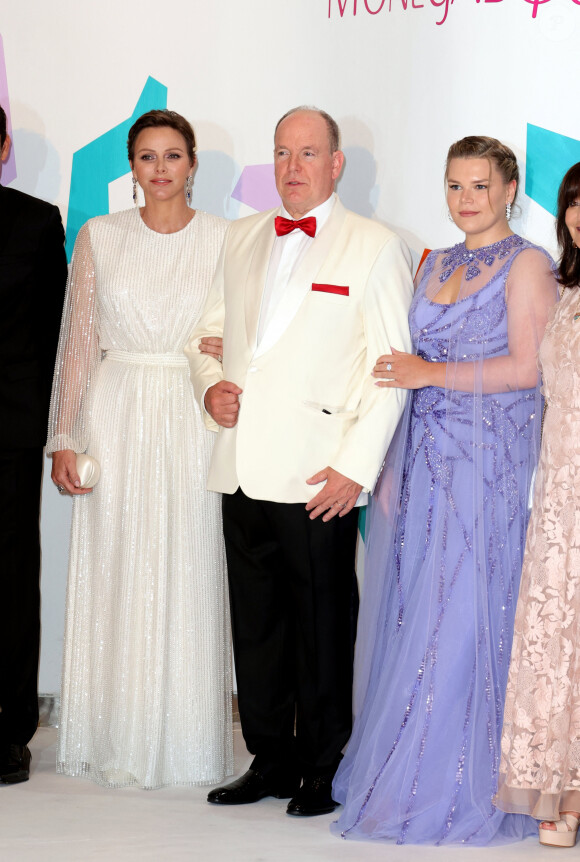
pixel 169 359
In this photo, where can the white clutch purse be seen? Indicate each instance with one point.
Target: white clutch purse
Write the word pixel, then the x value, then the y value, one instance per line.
pixel 89 470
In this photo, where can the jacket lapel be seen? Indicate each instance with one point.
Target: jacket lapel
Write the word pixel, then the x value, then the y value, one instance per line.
pixel 300 283
pixel 256 279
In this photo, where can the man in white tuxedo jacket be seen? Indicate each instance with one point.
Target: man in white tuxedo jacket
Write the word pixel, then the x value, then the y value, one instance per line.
pixel 306 298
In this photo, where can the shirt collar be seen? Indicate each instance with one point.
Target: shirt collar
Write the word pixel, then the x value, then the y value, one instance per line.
pixel 320 213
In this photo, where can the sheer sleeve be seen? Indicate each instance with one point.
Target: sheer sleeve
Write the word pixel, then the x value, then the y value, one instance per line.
pixel 531 291
pixel 78 354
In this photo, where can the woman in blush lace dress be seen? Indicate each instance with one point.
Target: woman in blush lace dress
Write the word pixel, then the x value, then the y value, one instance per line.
pixel 146 688
pixel 447 529
pixel 540 765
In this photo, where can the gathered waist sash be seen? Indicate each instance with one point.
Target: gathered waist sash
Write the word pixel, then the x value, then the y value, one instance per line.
pixel 167 359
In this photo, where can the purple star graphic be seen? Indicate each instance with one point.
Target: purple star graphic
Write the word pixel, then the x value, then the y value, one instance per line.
pixel 256 188
pixel 9 166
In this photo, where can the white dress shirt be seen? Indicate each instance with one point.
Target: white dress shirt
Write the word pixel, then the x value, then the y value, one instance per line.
pixel 287 253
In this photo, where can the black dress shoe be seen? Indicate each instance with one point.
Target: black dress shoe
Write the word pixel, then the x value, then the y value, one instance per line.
pixel 314 797
pixel 250 787
pixel 14 764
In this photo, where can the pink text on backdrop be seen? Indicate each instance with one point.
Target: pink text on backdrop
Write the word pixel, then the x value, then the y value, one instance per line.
pixel 536 3
pixel 373 7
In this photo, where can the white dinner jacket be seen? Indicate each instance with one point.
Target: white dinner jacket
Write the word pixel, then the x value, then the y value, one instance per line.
pixel 308 399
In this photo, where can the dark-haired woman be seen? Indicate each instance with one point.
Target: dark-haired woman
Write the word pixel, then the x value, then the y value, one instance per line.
pixel 146 680
pixel 447 528
pixel 540 766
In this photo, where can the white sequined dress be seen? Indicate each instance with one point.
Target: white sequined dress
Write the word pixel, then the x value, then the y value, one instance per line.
pixel 146 689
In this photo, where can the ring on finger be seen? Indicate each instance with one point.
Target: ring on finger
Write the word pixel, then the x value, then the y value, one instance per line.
pixel 389 366
pixel 219 359
pixel 61 489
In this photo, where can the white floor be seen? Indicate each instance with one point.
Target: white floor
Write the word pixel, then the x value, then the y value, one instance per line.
pixel 52 818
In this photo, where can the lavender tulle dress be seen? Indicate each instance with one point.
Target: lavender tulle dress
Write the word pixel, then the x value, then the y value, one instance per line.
pixel 442 567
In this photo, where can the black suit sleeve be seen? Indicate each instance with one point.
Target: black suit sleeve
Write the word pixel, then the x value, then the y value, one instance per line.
pixel 50 275
pixel 33 274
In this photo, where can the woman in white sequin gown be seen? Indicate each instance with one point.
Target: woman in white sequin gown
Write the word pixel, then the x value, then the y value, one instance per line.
pixel 146 689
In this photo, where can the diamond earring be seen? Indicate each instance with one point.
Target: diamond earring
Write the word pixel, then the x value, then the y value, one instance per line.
pixel 508 210
pixel 188 185
pixel 134 189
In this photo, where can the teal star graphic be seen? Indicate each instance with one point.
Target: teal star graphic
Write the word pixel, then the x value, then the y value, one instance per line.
pixel 103 160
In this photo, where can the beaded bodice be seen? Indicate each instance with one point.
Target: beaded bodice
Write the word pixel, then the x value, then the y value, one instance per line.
pixel 460 255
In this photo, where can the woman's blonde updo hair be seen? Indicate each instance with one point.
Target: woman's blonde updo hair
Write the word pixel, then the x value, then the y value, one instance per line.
pixel 482 147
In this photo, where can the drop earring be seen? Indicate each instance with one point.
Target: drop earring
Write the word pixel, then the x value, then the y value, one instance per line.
pixel 134 189
pixel 188 185
pixel 449 216
pixel 508 210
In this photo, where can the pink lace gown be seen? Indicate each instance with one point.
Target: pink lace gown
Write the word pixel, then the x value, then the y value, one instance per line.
pixel 540 764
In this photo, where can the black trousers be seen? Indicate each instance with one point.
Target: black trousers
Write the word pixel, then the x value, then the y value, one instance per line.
pixel 292 593
pixel 20 477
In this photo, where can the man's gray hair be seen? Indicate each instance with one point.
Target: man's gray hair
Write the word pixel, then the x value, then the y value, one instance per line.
pixel 331 125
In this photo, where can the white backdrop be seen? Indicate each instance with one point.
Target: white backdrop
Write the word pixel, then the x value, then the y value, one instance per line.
pixel 401 85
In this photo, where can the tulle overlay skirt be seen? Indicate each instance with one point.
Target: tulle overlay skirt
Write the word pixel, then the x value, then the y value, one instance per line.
pixel 442 570
pixel 146 691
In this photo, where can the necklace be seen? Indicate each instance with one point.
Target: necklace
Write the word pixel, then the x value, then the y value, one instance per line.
pixel 459 255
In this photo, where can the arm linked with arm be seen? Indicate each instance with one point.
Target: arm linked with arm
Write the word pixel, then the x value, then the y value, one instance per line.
pixel 531 290
pixel 387 297
pixel 205 369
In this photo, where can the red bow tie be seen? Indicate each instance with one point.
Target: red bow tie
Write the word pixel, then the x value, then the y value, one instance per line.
pixel 287 225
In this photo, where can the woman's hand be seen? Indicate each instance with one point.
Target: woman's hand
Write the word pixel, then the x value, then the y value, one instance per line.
pixel 404 371
pixel 213 346
pixel 64 473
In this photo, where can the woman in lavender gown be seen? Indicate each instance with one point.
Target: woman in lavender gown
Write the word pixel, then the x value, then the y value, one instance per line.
pixel 447 529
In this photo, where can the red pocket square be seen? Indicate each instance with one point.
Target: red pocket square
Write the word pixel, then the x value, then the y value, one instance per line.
pixel 331 288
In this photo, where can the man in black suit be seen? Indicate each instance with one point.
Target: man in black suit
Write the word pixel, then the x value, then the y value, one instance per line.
pixel 33 274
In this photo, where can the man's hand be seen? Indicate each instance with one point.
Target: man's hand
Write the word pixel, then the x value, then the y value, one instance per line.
pixel 336 498
pixel 222 402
